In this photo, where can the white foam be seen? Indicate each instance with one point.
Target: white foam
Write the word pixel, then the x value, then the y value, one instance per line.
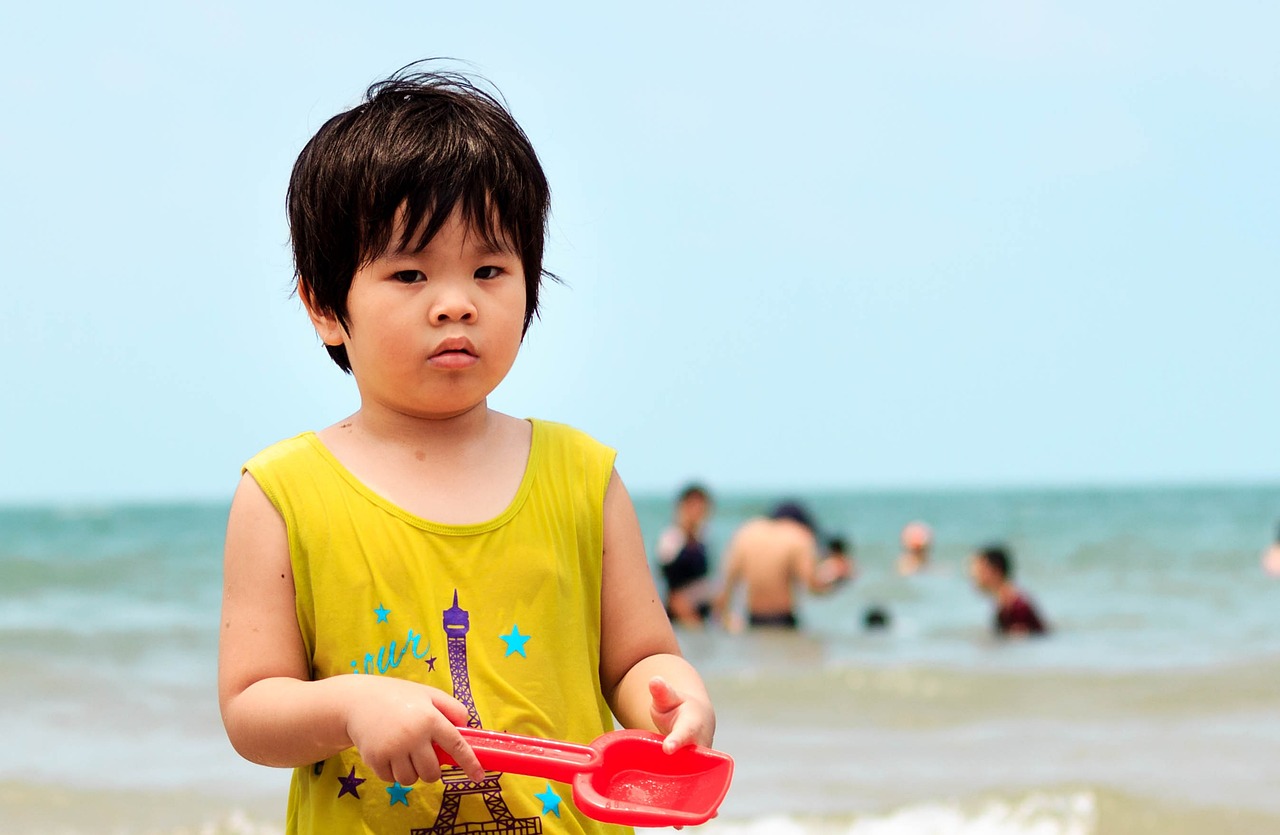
pixel 1073 813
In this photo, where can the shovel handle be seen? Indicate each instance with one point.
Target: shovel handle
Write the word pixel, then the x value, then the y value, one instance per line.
pixel 549 759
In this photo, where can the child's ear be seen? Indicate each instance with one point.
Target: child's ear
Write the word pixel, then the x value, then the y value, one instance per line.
pixel 326 323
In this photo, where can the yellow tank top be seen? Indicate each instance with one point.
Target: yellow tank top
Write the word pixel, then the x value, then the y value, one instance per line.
pixel 505 615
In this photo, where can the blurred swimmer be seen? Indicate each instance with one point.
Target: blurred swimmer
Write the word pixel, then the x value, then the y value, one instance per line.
pixel 838 565
pixel 992 571
pixel 682 555
pixel 772 557
pixel 917 539
pixel 1271 558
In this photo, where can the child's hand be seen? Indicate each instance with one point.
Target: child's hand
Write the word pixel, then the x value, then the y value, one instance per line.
pixel 685 720
pixel 394 724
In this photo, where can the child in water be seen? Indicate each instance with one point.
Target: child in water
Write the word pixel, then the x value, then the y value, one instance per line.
pixel 427 562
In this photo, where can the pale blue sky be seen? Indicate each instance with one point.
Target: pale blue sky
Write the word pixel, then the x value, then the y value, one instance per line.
pixel 806 245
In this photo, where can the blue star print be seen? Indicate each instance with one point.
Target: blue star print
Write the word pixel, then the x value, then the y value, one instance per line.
pixel 399 793
pixel 515 641
pixel 550 800
pixel 382 613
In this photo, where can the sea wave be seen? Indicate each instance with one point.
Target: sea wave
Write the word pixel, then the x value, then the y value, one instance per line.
pixel 1065 810
pixel 1089 810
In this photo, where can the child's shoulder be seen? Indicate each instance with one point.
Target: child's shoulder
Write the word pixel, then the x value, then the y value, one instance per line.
pixel 300 446
pixel 563 436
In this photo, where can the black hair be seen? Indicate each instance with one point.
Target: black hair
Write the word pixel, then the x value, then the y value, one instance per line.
pixel 795 512
pixel 694 489
pixel 999 558
pixel 419 147
pixel 838 545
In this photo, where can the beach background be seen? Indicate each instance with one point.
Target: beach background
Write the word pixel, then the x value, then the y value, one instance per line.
pixel 1151 709
pixel 1006 266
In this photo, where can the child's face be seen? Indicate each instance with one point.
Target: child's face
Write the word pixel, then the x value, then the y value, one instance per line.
pixel 432 333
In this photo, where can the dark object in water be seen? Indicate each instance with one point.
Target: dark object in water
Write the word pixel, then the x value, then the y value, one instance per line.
pixel 876 618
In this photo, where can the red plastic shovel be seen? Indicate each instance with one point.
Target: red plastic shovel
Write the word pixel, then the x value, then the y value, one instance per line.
pixel 622 777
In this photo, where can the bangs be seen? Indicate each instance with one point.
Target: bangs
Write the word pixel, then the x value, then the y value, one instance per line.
pixel 419 216
pixel 472 164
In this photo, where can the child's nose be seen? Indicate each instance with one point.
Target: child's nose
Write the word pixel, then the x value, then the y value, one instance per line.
pixel 453 305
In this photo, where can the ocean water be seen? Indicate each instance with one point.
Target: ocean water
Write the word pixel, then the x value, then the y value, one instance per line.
pixel 1154 706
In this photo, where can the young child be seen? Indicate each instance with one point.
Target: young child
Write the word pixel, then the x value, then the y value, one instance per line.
pixel 427 562
pixel 837 566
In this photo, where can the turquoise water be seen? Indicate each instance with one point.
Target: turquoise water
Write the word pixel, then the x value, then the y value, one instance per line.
pixel 1147 577
pixel 1150 709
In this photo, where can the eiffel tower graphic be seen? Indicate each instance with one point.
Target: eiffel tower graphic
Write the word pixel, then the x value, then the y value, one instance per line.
pixel 457 784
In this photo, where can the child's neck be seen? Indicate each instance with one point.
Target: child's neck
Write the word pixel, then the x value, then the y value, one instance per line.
pixel 464 469
pixel 436 437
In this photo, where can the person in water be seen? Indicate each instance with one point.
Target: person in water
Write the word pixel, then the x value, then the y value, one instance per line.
pixel 1271 557
pixel 772 557
pixel 917 540
pixel 682 557
pixel 838 565
pixel 991 568
pixel 429 563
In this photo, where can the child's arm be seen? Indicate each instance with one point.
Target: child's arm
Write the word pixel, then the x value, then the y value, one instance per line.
pixel 274 714
pixel 645 680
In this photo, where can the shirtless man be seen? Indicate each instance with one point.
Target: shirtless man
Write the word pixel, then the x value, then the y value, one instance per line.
pixel 771 557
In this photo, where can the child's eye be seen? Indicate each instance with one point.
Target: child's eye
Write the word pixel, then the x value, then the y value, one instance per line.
pixel 488 272
pixel 409 276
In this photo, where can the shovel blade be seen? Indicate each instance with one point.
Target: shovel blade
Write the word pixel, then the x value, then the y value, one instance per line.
pixel 638 784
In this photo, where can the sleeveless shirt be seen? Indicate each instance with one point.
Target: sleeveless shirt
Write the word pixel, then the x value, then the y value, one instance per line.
pixel 504 615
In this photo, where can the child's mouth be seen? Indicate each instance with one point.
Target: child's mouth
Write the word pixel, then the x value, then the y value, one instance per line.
pixel 453 353
pixel 455 345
